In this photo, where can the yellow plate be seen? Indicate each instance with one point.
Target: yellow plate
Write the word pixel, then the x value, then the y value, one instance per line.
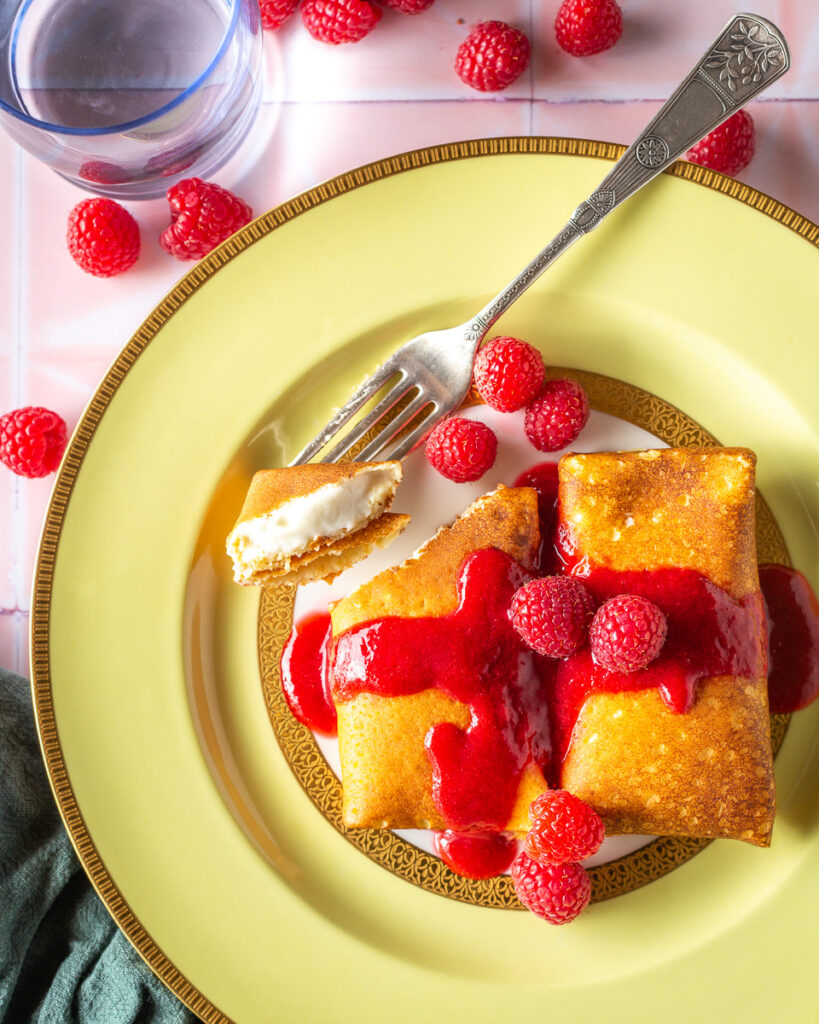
pixel 144 664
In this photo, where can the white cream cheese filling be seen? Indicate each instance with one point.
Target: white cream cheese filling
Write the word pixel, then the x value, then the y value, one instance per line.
pixel 328 512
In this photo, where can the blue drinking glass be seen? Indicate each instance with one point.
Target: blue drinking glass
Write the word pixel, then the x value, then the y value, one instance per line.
pixel 124 97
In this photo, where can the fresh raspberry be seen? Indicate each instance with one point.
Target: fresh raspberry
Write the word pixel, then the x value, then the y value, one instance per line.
pixel 276 12
pixel 627 632
pixel 492 56
pixel 32 440
pixel 508 373
pixel 202 216
pixel 564 829
pixel 103 238
pixel 729 147
pixel 584 27
pixel 409 6
pixel 555 892
pixel 100 172
pixel 551 614
pixel 557 415
pixel 461 450
pixel 339 21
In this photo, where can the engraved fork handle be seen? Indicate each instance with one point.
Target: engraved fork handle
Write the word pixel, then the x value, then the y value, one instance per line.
pixel 748 55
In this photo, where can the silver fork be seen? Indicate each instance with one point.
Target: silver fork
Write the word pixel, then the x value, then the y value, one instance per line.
pixel 433 371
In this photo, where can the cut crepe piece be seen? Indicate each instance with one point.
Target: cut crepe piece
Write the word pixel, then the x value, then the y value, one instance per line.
pixel 644 768
pixel 304 523
pixel 386 772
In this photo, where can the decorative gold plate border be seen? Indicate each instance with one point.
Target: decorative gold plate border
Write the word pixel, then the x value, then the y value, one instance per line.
pixel 198 276
pixel 617 877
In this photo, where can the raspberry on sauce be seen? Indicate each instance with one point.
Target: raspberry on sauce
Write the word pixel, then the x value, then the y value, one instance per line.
pixel 551 614
pixel 627 633
pixel 564 829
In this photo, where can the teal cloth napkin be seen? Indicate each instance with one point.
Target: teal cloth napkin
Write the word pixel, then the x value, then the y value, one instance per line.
pixel 62 957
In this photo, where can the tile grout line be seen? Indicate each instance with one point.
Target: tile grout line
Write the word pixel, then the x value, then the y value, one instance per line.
pixel 18 356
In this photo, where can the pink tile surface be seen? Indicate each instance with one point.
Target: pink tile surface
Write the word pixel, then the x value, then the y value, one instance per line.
pixel 660 44
pixel 328 109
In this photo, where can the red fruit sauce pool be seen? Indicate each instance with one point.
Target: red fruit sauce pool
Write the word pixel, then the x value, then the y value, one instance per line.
pixel 476 854
pixel 306 676
pixel 793 638
pixel 524 707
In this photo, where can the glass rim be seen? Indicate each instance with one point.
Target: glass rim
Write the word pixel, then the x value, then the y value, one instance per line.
pixel 118 129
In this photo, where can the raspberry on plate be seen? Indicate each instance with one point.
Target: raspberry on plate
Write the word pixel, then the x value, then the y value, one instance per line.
pixel 627 632
pixel 409 6
pixel 508 373
pixel 564 828
pixel 557 415
pixel 492 56
pixel 555 892
pixel 102 237
pixel 585 27
pixel 551 614
pixel 461 450
pixel 729 147
pixel 203 215
pixel 339 21
pixel 32 440
pixel 276 12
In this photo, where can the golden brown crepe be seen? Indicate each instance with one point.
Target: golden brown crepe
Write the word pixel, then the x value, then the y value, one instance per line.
pixel 305 523
pixel 386 773
pixel 645 769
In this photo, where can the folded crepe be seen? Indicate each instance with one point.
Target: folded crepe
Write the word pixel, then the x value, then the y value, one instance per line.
pixel 304 523
pixel 646 769
pixel 386 771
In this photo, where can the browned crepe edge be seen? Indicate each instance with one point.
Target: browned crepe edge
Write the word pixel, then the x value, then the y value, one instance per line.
pixel 271 488
pixel 335 556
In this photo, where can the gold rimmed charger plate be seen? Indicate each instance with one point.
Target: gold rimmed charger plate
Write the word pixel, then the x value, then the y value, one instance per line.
pixel 155 732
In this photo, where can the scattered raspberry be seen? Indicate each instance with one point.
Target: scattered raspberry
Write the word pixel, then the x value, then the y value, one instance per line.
pixel 584 27
pixel 508 373
pixel 409 6
pixel 555 892
pixel 627 632
pixel 102 173
pixel 339 21
pixel 32 440
pixel 461 450
pixel 103 238
pixel 492 56
pixel 202 216
pixel 551 614
pixel 557 415
pixel 564 829
pixel 276 12
pixel 729 147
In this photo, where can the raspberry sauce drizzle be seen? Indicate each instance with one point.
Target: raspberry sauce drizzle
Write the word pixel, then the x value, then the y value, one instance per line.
pixel 793 638
pixel 543 478
pixel 474 656
pixel 305 673
pixel 709 634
